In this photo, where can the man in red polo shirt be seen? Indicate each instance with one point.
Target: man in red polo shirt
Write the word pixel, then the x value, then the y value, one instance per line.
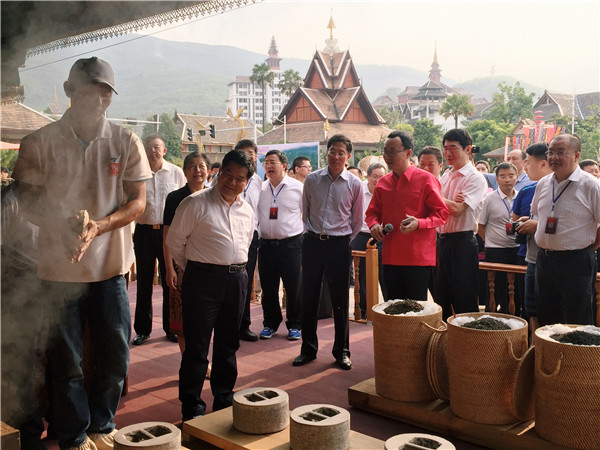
pixel 410 199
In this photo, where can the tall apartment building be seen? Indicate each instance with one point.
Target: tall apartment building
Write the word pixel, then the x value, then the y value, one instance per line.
pixel 243 93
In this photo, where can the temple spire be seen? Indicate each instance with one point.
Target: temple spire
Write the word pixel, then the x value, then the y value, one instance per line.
pixel 331 43
pixel 273 60
pixel 435 73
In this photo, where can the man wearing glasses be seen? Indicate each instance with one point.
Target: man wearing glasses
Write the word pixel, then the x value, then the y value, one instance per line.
pixel 301 167
pixel 463 189
pixel 567 205
pixel 333 216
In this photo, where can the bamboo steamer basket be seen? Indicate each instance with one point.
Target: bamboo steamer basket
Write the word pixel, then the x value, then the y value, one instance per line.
pixel 489 372
pixel 567 392
pixel 400 351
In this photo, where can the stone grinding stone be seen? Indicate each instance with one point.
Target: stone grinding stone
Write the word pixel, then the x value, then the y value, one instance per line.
pixel 148 436
pixel 319 426
pixel 261 410
pixel 400 441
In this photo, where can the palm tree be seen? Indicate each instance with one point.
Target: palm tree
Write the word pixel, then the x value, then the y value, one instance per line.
pixel 262 75
pixel 457 105
pixel 290 81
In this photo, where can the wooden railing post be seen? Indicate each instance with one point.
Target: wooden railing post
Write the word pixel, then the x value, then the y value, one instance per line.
pixel 356 261
pixel 511 292
pixel 372 272
pixel 491 274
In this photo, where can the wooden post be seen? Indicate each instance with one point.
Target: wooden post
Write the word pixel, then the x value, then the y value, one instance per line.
pixel 492 284
pixel 372 272
pixel 511 292
pixel 357 315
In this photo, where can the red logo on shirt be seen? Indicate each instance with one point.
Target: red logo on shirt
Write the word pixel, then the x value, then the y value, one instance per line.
pixel 113 168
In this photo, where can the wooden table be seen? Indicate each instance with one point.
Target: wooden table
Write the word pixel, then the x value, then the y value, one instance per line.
pixel 217 429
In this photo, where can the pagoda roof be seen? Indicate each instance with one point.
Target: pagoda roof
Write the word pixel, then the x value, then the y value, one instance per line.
pixel 19 120
pixel 195 122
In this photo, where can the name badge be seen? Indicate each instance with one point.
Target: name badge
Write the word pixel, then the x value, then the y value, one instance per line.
pixel 551 225
pixel 273 213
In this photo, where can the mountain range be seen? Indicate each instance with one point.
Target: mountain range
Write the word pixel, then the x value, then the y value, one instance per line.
pixel 154 75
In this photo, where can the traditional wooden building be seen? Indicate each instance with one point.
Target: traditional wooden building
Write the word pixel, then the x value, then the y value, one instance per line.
pixel 578 106
pixel 332 101
pixel 19 120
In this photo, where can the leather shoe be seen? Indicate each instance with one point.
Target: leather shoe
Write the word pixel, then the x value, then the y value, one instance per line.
pixel 303 359
pixel 247 335
pixel 172 337
pixel 343 362
pixel 140 339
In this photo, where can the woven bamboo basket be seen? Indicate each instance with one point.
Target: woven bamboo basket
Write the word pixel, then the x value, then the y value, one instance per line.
pixel 400 351
pixel 567 392
pixel 482 368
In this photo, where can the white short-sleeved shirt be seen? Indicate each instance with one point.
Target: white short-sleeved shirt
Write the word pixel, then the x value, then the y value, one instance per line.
pixel 577 210
pixel 74 178
pixel 494 216
pixel 165 180
pixel 473 186
pixel 287 198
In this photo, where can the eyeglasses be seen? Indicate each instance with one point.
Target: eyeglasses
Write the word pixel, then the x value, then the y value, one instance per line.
pixel 338 154
pixel 393 152
pixel 558 154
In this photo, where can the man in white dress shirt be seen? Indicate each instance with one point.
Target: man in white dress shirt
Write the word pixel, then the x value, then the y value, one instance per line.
pixel 210 236
pixel 567 206
pixel 251 194
pixel 280 227
pixel 147 239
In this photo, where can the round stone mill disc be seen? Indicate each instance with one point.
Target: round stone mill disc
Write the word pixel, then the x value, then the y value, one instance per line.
pixel 261 410
pixel 319 426
pixel 148 436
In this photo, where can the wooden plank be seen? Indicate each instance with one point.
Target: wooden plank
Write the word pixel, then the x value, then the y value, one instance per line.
pixel 9 437
pixel 217 429
pixel 438 417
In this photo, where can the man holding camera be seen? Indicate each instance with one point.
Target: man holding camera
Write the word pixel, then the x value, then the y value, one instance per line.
pixel 498 231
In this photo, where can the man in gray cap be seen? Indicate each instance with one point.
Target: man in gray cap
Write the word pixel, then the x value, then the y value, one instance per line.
pixel 82 181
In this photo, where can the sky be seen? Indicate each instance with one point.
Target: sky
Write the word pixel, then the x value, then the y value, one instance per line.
pixel 551 44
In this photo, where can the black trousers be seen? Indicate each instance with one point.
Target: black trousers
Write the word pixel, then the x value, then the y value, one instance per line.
pixel 330 258
pixel 250 268
pixel 563 286
pixel 407 282
pixel 212 300
pixel 360 243
pixel 281 260
pixel 458 265
pixel 148 247
pixel 505 256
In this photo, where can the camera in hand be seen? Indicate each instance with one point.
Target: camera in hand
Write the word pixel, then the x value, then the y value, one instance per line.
pixel 511 230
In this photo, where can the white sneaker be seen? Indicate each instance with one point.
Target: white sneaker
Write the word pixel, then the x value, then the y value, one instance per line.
pixel 103 441
pixel 88 444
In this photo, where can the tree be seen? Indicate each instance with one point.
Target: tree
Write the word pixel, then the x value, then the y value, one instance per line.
pixel 392 116
pixel 290 81
pixel 262 76
pixel 456 106
pixel 511 104
pixel 426 133
pixel 488 135
pixel 588 131
pixel 168 131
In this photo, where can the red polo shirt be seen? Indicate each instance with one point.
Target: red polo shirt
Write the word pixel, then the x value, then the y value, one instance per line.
pixel 416 193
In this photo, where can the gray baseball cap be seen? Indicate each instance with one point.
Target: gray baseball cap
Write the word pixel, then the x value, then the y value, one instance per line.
pixel 93 69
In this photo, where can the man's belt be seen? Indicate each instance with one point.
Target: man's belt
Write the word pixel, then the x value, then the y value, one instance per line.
pixel 278 241
pixel 457 234
pixel 549 252
pixel 157 226
pixel 231 268
pixel 324 237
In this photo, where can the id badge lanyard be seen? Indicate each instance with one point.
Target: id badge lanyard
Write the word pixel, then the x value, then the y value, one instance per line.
pixel 274 209
pixel 248 186
pixel 555 199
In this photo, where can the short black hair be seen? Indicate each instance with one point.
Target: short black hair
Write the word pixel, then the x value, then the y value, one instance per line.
pixel 240 158
pixel 151 137
pixel 215 165
pixel 431 150
pixel 504 166
pixel 282 158
pixel 538 150
pixel 191 156
pixel 360 171
pixel 459 135
pixel 340 138
pixel 588 162
pixel 245 143
pixel 373 167
pixel 407 140
pixel 298 162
